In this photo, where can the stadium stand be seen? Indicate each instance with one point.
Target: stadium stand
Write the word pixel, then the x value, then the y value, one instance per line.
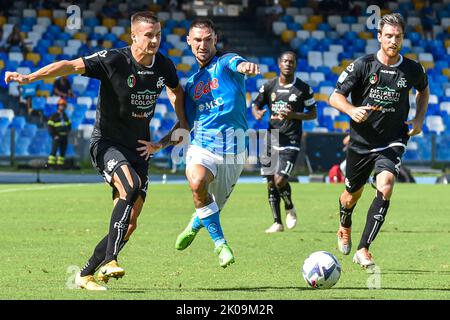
pixel 326 40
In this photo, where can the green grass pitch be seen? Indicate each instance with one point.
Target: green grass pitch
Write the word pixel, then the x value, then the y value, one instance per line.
pixel 48 231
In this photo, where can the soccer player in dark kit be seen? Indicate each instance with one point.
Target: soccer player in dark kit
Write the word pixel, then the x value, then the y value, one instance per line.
pixel 290 101
pixel 379 130
pixel 131 80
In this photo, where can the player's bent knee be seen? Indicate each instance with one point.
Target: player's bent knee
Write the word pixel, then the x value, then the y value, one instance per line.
pixel 280 182
pixel 131 188
pixel 386 190
pixel 349 199
pixel 198 185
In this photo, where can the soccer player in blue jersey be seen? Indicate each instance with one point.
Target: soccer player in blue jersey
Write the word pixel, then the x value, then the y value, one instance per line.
pixel 215 108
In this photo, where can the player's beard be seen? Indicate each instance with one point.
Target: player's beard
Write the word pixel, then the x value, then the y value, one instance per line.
pixel 204 56
pixel 391 52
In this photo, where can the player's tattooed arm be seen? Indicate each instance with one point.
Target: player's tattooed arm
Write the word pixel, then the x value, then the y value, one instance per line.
pixel 148 148
pixel 175 136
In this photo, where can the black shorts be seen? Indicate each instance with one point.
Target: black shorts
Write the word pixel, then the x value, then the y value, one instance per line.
pixel 360 166
pixel 107 157
pixel 279 162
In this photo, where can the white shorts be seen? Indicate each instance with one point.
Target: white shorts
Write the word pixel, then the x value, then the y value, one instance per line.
pixel 226 171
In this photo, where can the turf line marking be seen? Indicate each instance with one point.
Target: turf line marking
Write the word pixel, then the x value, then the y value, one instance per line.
pixel 45 187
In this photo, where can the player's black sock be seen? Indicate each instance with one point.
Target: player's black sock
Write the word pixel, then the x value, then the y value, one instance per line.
pixel 375 218
pixel 285 193
pixel 274 201
pixel 118 227
pixel 345 215
pixel 98 257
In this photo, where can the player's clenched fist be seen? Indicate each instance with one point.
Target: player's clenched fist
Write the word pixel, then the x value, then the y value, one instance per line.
pixel 15 76
pixel 360 114
pixel 248 68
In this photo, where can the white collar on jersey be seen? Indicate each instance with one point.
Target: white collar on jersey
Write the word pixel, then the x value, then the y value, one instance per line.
pixel 399 62
pixel 153 61
pixel 287 85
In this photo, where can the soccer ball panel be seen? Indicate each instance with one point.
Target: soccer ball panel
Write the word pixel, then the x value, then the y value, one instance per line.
pixel 321 270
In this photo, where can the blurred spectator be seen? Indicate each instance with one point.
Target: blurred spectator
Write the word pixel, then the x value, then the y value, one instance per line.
pixel 2 41
pixel 428 19
pixel 5 5
pixel 62 88
pixel 15 40
pixel 222 41
pixel 91 47
pixel 59 128
pixel 273 13
pixel 173 5
pixel 110 10
pixel 26 94
pixel 327 7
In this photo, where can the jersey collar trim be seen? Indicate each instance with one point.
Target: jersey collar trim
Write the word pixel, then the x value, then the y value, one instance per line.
pixel 287 85
pixel 390 65
pixel 153 61
pixel 213 59
pixel 141 65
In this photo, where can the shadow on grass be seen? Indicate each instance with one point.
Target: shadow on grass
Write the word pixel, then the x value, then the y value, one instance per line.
pixel 383 231
pixel 263 289
pixel 412 271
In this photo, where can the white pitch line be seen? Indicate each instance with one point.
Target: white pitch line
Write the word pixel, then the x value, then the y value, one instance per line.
pixel 45 187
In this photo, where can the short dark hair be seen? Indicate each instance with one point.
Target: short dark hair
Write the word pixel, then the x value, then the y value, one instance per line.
pixel 288 52
pixel 202 23
pixel 393 19
pixel 144 16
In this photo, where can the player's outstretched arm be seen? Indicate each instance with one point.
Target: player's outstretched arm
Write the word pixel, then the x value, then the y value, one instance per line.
pixel 248 68
pixel 416 124
pixel 339 101
pixel 53 70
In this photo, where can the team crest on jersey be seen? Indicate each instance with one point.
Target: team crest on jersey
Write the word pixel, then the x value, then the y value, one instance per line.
pixel 351 67
pixel 292 98
pixel 160 82
pixel 131 81
pixel 402 83
pixel 273 96
pixel 373 78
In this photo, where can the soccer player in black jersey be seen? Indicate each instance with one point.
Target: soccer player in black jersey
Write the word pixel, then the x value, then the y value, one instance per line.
pixel 379 130
pixel 290 101
pixel 131 80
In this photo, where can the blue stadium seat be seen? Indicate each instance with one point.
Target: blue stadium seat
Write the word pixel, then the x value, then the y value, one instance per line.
pixel 38 103
pixel 4 123
pixel 21 147
pixel 18 122
pixel 29 130
pixel 91 22
pixel 49 109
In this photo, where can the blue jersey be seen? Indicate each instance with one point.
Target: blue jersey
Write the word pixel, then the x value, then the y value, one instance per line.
pixel 216 105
